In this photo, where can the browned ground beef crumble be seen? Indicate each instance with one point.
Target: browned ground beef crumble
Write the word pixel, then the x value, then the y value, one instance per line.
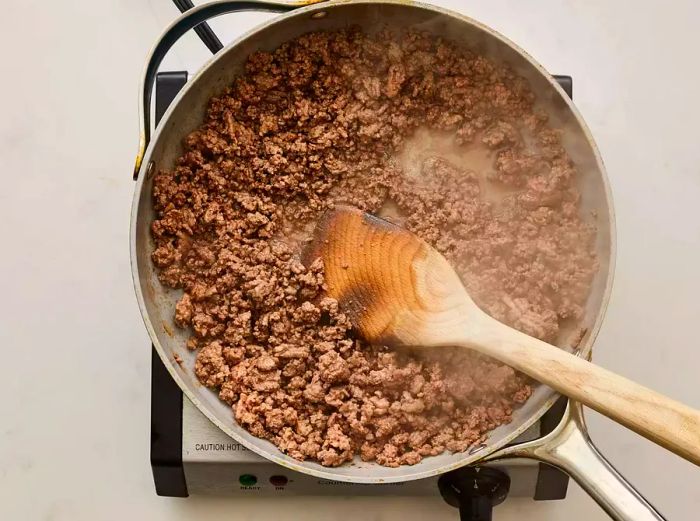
pixel 322 120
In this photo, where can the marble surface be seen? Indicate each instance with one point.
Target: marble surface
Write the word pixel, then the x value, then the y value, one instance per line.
pixel 74 419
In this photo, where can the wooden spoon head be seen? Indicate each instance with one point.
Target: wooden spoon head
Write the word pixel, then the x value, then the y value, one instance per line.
pixel 395 287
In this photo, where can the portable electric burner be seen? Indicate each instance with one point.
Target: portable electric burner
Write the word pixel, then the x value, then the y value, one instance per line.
pixel 190 455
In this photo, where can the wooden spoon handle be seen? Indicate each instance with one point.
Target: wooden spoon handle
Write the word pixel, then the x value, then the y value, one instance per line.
pixel 658 418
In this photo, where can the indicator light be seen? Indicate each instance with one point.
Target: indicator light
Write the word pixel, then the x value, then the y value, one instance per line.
pixel 278 481
pixel 247 480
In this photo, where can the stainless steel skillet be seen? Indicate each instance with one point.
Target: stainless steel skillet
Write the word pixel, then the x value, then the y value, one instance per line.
pixel 568 447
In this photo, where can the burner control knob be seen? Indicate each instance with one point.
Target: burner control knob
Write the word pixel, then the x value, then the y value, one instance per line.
pixel 475 491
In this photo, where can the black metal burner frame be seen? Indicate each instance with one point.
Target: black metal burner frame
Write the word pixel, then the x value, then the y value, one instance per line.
pixel 166 396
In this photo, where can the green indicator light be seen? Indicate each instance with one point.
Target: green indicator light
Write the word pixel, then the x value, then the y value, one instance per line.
pixel 247 480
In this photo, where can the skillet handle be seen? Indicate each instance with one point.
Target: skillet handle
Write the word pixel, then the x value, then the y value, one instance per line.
pixel 569 448
pixel 185 22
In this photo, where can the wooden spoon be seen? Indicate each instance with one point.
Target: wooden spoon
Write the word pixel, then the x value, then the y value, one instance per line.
pixel 398 290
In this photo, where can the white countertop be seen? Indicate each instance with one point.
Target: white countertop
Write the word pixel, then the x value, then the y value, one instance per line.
pixel 74 419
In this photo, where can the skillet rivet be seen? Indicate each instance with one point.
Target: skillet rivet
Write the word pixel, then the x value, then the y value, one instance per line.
pixel 149 170
pixel 319 15
pixel 476 449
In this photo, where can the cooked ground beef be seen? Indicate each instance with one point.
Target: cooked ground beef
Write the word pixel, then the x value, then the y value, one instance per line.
pixel 367 120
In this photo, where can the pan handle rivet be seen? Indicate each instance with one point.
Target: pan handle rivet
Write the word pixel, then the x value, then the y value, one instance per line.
pixel 149 170
pixel 319 15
